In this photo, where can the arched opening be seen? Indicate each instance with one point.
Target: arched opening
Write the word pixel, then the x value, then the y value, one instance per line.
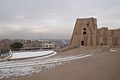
pixel 101 44
pixel 82 43
pixel 84 32
pixel 84 28
pixel 87 24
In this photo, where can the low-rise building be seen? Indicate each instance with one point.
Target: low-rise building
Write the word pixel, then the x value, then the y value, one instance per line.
pixel 48 45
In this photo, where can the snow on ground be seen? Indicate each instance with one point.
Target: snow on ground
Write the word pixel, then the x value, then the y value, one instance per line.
pixel 29 66
pixel 113 50
pixel 19 55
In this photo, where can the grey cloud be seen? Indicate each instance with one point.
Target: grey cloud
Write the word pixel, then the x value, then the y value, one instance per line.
pixel 56 18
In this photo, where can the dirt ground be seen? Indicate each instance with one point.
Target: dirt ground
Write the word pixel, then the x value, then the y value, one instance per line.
pixel 99 66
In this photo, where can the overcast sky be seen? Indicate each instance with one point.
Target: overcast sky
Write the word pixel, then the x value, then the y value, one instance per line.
pixel 36 19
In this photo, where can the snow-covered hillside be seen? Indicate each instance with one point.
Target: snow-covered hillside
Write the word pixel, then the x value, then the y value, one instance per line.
pixel 20 55
pixel 34 65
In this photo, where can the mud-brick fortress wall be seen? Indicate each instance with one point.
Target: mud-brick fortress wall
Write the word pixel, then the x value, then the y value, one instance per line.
pixel 86 33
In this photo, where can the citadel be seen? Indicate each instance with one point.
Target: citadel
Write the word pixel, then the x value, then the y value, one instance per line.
pixel 86 33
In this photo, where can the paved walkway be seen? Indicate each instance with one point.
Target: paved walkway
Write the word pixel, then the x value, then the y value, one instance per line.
pixel 100 66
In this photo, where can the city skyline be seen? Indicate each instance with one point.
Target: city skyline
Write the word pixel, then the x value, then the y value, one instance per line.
pixel 54 19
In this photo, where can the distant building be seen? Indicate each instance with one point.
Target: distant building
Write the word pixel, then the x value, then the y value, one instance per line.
pixel 36 44
pixel 86 33
pixel 28 44
pixel 48 45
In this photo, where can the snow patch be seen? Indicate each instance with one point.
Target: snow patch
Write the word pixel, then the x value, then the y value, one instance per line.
pixel 27 67
pixel 113 50
pixel 20 55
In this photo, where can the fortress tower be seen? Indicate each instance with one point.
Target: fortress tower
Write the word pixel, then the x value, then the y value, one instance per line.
pixel 86 33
